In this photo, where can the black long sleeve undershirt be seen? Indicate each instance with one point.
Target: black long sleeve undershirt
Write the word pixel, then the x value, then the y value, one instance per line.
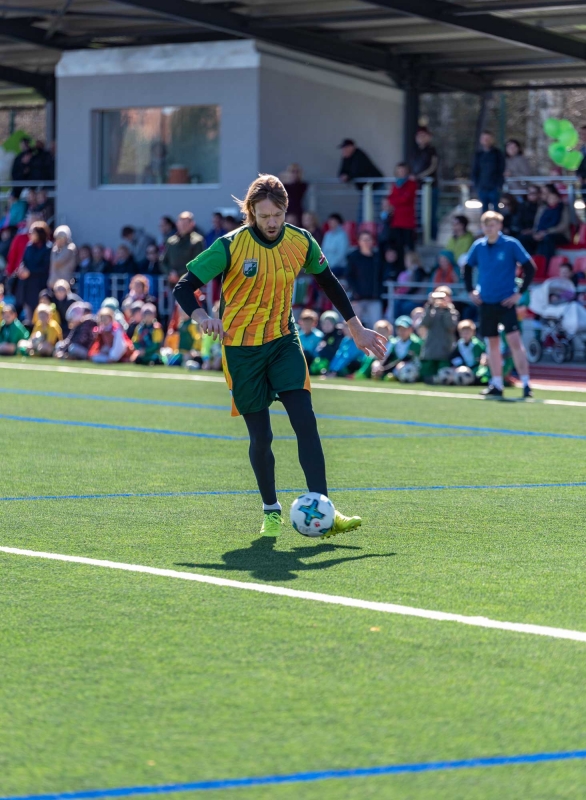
pixel 186 286
pixel 528 269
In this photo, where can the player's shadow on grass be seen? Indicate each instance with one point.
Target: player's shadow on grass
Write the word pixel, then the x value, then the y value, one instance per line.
pixel 265 563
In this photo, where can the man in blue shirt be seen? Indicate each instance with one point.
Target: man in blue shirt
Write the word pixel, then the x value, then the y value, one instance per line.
pixel 496 294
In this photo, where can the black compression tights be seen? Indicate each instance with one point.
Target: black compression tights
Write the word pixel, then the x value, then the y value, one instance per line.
pixel 298 406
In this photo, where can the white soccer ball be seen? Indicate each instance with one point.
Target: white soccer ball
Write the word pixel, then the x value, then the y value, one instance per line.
pixel 463 376
pixel 312 514
pixel 408 373
pixel 445 376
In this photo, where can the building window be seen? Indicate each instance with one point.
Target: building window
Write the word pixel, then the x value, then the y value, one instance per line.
pixel 170 145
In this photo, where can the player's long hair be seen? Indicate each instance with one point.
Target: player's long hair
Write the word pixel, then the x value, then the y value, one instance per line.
pixel 265 187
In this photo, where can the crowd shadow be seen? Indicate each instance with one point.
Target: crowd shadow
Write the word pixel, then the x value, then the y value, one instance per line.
pixel 264 563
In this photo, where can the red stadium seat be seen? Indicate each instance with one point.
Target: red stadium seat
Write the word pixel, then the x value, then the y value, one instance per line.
pixel 580 264
pixel 555 262
pixel 541 273
pixel 351 229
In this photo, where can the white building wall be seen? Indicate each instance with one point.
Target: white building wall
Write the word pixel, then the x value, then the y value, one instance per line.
pixel 219 73
pixel 276 107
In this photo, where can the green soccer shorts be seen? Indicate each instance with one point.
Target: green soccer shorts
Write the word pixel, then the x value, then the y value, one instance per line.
pixel 256 374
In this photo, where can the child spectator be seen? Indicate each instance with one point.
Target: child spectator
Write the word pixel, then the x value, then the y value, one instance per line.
pixel 461 239
pixel 132 314
pixel 416 317
pixel 470 352
pixel 114 306
pixel 12 331
pixel 348 357
pixel 440 321
pixel 44 336
pixel 328 347
pixel 139 290
pixel 392 264
pixel 77 343
pixel 336 245
pixel 403 348
pixel 401 205
pixel 84 259
pixel 310 335
pixel 63 299
pixel 183 344
pixel 568 273
pixel 447 271
pixel 63 256
pixel 384 327
pixel 99 261
pixel 148 337
pixel 111 343
pixel 124 262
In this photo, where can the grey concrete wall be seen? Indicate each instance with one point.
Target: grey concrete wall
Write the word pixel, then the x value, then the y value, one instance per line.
pixel 306 111
pixel 96 214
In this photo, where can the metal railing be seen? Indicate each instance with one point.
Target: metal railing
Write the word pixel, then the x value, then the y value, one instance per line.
pixel 418 293
pixel 116 285
pixel 325 197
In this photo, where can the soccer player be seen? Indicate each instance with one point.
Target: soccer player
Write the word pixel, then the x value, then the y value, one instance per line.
pixel 262 355
pixel 496 295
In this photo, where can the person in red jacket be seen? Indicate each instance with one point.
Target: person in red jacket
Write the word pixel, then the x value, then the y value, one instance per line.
pixel 401 202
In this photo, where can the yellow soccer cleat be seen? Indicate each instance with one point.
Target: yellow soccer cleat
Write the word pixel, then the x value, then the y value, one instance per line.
pixel 342 524
pixel 272 524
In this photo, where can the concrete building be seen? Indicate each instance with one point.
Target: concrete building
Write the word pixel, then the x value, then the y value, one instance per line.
pixel 146 131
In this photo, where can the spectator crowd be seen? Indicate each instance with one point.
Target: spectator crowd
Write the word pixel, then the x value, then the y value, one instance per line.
pixel 46 278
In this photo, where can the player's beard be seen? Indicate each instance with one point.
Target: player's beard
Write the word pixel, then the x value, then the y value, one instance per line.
pixel 271 234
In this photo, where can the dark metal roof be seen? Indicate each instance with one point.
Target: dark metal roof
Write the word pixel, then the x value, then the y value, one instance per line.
pixel 427 45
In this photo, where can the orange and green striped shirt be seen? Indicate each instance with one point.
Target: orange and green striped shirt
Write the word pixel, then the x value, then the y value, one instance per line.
pixel 258 278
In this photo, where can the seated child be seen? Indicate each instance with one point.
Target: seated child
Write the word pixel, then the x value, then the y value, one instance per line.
pixel 111 344
pixel 132 314
pixel 310 335
pixel 12 331
pixel 80 338
pixel 148 337
pixel 328 346
pixel 470 352
pixel 183 344
pixel 403 348
pixel 348 357
pixel 384 327
pixel 440 321
pixel 44 335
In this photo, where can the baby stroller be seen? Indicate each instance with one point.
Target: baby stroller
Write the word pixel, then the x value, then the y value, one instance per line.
pixel 562 319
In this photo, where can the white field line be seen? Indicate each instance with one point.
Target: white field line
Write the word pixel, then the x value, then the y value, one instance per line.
pixel 114 373
pixel 388 608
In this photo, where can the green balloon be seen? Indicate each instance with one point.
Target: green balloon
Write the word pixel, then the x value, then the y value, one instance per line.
pixel 551 127
pixel 569 138
pixel 557 153
pixel 572 160
pixel 565 127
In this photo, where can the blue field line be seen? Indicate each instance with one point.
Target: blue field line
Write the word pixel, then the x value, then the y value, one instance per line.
pixel 224 492
pixel 195 435
pixel 309 777
pixel 279 412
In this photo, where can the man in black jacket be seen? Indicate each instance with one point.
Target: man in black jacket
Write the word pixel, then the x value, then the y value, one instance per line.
pixel 488 173
pixel 356 164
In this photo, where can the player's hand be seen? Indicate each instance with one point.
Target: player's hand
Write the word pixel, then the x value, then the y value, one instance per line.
pixel 213 327
pixel 511 302
pixel 475 297
pixel 368 341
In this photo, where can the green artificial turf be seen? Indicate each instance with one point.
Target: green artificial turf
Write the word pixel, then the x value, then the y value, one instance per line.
pixel 113 679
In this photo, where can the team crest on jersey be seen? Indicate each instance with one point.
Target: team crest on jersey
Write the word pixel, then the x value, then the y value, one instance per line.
pixel 250 267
